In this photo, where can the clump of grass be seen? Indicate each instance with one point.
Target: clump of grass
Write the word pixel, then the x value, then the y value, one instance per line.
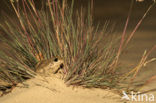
pixel 90 55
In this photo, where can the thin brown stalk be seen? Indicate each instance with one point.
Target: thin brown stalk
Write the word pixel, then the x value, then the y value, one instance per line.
pixel 138 24
pixel 18 15
pixel 123 37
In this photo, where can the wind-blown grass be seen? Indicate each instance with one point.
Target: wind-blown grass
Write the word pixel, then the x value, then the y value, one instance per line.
pixel 90 54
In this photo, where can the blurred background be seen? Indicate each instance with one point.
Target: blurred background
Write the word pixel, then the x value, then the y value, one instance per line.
pixel 114 11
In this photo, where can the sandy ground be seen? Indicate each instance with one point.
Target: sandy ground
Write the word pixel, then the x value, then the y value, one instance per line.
pixel 53 90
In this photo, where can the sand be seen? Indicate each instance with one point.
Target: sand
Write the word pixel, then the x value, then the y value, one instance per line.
pixel 54 90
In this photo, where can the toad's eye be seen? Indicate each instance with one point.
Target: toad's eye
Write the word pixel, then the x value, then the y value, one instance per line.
pixel 56 59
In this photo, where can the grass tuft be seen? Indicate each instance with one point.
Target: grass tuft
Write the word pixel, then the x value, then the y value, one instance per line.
pixel 90 54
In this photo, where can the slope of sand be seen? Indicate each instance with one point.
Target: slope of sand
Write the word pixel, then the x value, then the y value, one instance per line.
pixel 53 90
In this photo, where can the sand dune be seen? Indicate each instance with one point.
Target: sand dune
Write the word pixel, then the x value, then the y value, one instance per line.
pixel 55 91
